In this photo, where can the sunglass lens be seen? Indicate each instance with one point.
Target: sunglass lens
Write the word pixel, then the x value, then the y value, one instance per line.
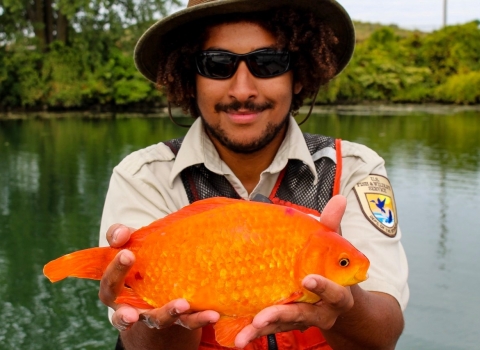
pixel 268 63
pixel 216 65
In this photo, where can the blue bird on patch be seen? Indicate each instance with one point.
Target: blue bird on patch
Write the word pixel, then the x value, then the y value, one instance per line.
pixel 380 204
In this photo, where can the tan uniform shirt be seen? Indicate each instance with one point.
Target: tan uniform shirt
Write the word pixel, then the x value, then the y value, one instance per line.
pixel 146 186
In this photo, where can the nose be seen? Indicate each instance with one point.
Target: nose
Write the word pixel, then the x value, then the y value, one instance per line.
pixel 243 85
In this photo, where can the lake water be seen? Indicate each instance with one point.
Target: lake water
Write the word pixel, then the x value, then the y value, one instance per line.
pixel 54 175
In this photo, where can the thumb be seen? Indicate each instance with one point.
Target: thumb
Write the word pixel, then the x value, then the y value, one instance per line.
pixel 333 212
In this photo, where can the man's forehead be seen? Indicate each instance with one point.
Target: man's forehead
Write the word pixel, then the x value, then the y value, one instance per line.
pixel 237 32
pixel 243 35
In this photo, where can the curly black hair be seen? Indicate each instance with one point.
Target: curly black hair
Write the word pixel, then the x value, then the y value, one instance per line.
pixel 309 41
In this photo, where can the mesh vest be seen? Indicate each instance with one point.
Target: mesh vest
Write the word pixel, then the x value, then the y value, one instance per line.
pixel 294 188
pixel 294 185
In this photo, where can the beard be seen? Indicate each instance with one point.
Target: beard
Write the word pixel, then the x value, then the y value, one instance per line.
pixel 244 147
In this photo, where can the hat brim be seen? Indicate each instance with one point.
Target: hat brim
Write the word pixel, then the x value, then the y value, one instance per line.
pixel 328 11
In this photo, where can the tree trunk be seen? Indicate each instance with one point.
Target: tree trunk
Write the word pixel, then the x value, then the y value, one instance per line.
pixel 48 20
pixel 35 16
pixel 62 28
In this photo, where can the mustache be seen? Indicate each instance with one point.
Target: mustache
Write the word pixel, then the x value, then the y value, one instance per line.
pixel 247 105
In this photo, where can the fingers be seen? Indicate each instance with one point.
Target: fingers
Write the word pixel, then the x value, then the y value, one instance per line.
pixel 333 212
pixel 335 300
pixel 113 278
pixel 178 312
pixel 166 315
pixel 124 317
pixel 274 319
pixel 118 235
pixel 198 319
pixel 175 312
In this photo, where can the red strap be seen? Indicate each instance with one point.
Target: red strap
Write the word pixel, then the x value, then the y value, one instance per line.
pixel 279 201
pixel 338 171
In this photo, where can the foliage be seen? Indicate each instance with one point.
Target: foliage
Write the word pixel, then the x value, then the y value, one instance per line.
pixel 460 88
pixel 90 63
pixel 442 66
pixel 57 54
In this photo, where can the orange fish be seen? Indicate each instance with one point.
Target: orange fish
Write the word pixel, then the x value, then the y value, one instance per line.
pixel 232 256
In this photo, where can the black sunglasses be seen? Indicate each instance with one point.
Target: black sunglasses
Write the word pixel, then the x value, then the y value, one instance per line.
pixel 264 63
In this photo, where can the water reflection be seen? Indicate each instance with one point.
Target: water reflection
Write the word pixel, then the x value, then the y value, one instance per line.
pixel 443 201
pixel 54 174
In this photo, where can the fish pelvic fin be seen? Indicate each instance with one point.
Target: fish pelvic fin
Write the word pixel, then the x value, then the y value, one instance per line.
pixel 128 296
pixel 295 296
pixel 87 263
pixel 227 328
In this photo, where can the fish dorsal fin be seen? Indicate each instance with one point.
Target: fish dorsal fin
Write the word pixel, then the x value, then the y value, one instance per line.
pixel 227 328
pixel 128 296
pixel 186 212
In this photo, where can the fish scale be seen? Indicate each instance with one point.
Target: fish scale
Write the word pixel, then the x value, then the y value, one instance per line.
pixel 270 274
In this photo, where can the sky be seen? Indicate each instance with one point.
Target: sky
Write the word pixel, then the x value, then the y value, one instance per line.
pixel 424 15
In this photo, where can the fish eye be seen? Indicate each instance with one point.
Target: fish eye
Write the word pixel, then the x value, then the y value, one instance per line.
pixel 344 262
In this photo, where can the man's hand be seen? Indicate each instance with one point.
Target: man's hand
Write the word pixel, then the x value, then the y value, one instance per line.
pixel 112 282
pixel 335 300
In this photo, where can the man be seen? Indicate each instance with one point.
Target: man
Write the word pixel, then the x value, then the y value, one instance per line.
pixel 242 68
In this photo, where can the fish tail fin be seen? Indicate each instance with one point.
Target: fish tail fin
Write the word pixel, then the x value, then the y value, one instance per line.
pixel 87 263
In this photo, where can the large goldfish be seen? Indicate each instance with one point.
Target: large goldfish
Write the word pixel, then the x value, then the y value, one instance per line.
pixel 232 256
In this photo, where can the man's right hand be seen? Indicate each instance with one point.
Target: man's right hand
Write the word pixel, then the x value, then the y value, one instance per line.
pixel 125 316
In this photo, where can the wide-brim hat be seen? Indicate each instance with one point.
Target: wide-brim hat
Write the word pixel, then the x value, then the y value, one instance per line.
pixel 154 40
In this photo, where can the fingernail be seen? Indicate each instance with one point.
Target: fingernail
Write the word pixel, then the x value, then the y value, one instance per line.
pixel 174 312
pixel 115 235
pixel 125 259
pixel 310 283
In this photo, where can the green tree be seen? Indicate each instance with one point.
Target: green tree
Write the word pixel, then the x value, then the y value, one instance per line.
pixel 452 50
pixel 73 53
pixel 51 20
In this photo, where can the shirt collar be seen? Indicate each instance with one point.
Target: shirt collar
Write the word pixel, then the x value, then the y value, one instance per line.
pixel 197 148
pixel 293 147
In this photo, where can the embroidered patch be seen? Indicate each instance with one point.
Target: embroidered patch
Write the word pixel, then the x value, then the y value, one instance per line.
pixel 376 199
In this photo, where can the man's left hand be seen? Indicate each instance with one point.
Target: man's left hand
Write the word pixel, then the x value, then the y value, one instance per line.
pixel 335 300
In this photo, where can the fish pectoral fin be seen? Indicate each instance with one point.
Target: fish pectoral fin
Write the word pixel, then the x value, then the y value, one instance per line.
pixel 227 328
pixel 295 296
pixel 128 296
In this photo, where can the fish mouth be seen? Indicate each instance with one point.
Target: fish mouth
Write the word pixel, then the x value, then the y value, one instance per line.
pixel 361 276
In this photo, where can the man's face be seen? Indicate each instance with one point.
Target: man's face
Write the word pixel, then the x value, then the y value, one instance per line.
pixel 244 113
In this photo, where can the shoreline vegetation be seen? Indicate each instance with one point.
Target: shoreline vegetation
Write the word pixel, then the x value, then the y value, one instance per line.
pixel 80 61
pixel 362 109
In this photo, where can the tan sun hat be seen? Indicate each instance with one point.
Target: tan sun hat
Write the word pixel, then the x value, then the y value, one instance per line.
pixel 328 11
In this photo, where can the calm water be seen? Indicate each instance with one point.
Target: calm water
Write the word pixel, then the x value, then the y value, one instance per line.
pixel 54 175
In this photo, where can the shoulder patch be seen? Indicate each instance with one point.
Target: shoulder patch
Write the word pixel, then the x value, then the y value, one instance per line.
pixel 375 196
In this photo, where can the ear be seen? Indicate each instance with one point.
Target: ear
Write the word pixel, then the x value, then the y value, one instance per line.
pixel 297 87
